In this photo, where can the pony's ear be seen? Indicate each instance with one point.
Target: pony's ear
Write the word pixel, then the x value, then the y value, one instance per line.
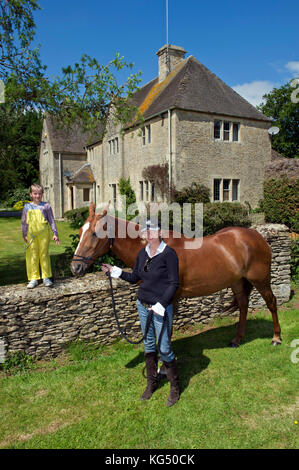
pixel 104 211
pixel 92 208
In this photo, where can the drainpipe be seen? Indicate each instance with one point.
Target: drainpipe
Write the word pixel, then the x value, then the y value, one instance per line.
pixel 60 185
pixel 169 150
pixel 94 188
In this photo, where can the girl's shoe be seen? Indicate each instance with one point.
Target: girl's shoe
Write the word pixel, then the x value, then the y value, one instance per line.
pixel 32 284
pixel 47 282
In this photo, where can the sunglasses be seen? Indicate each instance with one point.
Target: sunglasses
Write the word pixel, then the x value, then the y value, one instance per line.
pixel 146 266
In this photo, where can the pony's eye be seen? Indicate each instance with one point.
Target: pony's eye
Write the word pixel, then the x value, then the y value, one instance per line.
pixel 94 234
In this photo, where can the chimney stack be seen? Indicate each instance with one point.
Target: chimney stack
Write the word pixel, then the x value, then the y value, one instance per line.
pixel 169 57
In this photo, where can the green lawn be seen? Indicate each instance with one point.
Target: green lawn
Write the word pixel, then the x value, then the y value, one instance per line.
pixel 12 249
pixel 89 397
pixel 231 398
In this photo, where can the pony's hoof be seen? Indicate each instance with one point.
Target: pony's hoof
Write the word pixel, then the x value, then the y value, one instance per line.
pixel 276 343
pixel 233 345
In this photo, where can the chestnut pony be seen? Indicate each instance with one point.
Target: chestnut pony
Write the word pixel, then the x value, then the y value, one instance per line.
pixel 234 257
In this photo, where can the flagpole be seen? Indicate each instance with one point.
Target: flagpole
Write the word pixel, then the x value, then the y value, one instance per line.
pixel 167 56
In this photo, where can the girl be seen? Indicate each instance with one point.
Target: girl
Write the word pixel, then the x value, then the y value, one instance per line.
pixel 36 218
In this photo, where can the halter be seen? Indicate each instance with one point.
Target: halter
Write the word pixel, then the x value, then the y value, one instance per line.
pixel 88 259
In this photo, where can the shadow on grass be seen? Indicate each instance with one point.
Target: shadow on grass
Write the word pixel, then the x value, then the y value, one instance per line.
pixel 189 350
pixel 13 269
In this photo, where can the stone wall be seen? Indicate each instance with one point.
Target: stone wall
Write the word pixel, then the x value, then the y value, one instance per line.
pixel 41 322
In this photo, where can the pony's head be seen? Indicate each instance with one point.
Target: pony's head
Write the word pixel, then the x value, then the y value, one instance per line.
pixel 93 241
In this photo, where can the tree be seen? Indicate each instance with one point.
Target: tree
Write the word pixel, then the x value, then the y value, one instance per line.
pixel 85 91
pixel 125 189
pixel 284 110
pixel 19 144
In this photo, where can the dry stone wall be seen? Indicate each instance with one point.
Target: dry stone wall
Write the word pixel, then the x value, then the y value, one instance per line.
pixel 41 322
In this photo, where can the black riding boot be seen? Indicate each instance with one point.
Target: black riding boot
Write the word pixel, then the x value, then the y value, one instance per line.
pixel 173 377
pixel 151 363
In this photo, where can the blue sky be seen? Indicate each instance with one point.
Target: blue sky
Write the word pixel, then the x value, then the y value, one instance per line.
pixel 252 46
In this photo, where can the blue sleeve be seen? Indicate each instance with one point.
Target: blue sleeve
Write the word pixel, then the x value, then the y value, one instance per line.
pixel 172 263
pixel 132 277
pixel 50 218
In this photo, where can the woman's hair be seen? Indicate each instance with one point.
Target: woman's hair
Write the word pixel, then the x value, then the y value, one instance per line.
pixel 36 187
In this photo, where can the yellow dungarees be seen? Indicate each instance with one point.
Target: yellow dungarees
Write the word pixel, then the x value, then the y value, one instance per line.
pixel 37 252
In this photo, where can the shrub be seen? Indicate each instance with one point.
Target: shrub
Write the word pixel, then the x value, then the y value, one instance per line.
pixel 195 193
pixel 126 189
pixel 281 201
pixel 19 205
pixel 218 215
pixel 17 195
pixel 77 217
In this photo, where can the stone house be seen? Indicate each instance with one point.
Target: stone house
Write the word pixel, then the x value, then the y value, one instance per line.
pixel 193 121
pixel 65 174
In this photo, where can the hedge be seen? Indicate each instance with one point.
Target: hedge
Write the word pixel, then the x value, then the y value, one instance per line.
pixel 218 215
pixel 77 217
pixel 196 192
pixel 281 202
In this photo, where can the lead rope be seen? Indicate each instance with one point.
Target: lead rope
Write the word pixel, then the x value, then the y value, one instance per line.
pixel 148 321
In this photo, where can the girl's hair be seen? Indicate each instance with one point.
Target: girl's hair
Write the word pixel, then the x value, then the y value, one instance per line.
pixel 36 187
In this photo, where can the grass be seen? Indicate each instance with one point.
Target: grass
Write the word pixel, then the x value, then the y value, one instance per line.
pixel 12 249
pixel 89 397
pixel 231 398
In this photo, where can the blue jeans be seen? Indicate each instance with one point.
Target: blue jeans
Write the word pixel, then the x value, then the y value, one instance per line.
pixel 154 332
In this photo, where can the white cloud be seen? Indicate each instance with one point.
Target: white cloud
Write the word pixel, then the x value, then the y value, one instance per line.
pixel 254 91
pixel 293 67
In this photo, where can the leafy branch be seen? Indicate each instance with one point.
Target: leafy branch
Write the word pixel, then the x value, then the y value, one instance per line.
pixel 85 92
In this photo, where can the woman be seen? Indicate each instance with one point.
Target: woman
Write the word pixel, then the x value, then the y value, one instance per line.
pixel 157 267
